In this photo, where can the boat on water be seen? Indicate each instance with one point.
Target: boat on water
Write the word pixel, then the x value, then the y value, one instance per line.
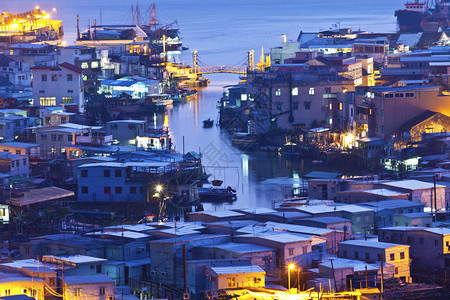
pixel 163 102
pixel 244 141
pixel 423 16
pixel 217 194
pixel 184 96
pixel 208 123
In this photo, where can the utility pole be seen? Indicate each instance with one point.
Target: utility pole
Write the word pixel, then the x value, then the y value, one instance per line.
pixel 382 270
pixel 366 278
pixel 435 201
pixel 186 295
pixel 334 277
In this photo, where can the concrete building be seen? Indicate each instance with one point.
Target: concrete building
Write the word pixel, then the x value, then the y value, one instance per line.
pixel 420 192
pixel 166 255
pixel 264 257
pixel 419 219
pixel 61 85
pixel 386 211
pixel 124 132
pixel 430 243
pixel 371 251
pixel 95 287
pixel 120 182
pixel 31 150
pixel 381 111
pixel 220 278
pixel 14 164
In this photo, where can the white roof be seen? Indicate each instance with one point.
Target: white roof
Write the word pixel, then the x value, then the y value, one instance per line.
pixel 125 234
pixel 298 228
pixel 219 213
pixel 76 259
pixel 370 244
pixel 237 270
pixel 279 237
pixel 137 228
pixel 411 184
pixel 343 263
pixel 128 121
pixel 383 192
pixel 256 210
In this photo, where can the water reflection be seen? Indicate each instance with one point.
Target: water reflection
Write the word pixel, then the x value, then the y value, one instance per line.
pixel 258 177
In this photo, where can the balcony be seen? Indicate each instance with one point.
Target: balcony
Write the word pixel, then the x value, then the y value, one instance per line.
pixel 330 96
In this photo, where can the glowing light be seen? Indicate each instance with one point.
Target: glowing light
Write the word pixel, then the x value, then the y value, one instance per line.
pixel 54 9
pixel 159 188
pixel 14 26
pixel 64 43
pixel 37 7
pixel 291 266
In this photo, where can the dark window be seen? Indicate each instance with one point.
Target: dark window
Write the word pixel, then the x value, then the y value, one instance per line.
pixel 84 173
pixel 84 190
pixel 307 104
pixel 367 256
pixel 436 243
pixel 295 106
pixel 402 255
pixel 44 77
pixel 70 91
pixel 69 138
pixel 54 77
pixel 356 254
pixel 102 291
pixel 118 190
pixel 379 257
pixel 344 253
pixel 69 77
pixel 392 256
pixel 141 189
pixel 118 173
pixel 132 190
pixel 63 120
pixel 107 190
pixel 99 268
pixel 106 173
pixel 60 137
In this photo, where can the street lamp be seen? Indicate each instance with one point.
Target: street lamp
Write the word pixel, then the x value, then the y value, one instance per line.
pixel 56 13
pixel 290 267
pixel 159 188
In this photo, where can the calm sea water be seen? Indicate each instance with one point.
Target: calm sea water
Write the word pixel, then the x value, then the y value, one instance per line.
pixel 223 32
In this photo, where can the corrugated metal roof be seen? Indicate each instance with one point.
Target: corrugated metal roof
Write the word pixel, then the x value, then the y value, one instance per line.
pixel 370 244
pixel 237 270
pixel 412 184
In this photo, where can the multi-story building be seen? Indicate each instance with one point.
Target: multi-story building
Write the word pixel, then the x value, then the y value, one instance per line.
pixel 371 251
pixel 14 164
pixel 86 58
pixel 15 71
pixel 429 247
pixel 61 85
pixel 120 182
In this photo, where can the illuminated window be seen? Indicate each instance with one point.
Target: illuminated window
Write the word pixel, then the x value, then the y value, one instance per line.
pixel 295 91
pixel 11 52
pixel 231 282
pixel 84 77
pixel 47 101
pixel 84 65
pixel 77 292
pixel 94 65
pixel 107 190
pixel 278 92
pixel 340 106
pixel 67 100
pixel 311 91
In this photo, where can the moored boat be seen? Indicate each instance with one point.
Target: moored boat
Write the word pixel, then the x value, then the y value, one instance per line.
pixel 208 123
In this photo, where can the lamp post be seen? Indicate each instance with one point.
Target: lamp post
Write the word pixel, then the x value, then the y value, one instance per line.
pixel 290 267
pixel 56 13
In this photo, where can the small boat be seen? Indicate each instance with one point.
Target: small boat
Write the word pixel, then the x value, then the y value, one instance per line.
pixel 217 195
pixel 163 102
pixel 208 123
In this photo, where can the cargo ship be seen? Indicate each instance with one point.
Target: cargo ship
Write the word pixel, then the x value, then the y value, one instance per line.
pixel 423 16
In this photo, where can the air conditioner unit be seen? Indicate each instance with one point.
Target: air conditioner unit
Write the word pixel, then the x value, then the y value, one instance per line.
pixel 438 176
pixel 141 249
pixel 164 274
pixel 185 296
pixel 153 272
pixel 372 226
